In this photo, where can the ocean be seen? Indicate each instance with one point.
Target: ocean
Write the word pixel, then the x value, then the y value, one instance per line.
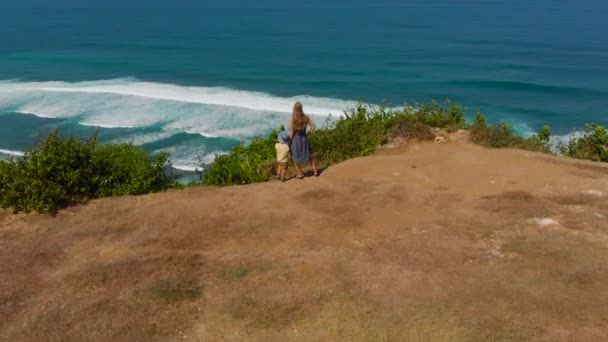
pixel 197 77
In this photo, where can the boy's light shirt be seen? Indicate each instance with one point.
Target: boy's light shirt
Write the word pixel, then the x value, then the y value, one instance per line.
pixel 282 152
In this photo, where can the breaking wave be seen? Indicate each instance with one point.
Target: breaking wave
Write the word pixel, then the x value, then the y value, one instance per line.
pixel 171 110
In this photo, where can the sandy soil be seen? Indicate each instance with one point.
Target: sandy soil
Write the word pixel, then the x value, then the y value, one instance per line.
pixel 424 242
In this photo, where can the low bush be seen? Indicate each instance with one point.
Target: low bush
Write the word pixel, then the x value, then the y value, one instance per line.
pixel 592 144
pixel 253 163
pixel 450 115
pixel 126 170
pixel 502 136
pixel 60 171
pixel 409 128
pixel 356 134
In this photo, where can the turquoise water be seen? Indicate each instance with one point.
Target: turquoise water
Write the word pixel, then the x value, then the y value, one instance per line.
pixel 197 77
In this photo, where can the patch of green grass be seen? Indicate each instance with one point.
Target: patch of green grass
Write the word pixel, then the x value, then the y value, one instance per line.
pixel 235 272
pixel 175 290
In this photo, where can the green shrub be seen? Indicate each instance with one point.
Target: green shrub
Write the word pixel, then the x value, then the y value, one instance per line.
pixel 361 130
pixel 480 120
pixel 245 164
pixel 502 136
pixel 592 144
pixel 450 115
pixel 358 133
pixel 61 171
pixel 125 170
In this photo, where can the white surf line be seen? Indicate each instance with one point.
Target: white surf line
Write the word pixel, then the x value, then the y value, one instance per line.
pixel 212 96
pixel 45 116
pixel 188 168
pixel 92 124
pixel 12 153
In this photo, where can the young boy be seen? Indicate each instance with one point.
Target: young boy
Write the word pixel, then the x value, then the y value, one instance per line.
pixel 282 154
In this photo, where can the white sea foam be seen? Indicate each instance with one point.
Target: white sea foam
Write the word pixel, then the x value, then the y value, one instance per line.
pixel 188 168
pixel 103 125
pixel 212 112
pixel 142 139
pixel 40 115
pixel 128 103
pixel 191 162
pixel 566 137
pixel 12 153
pixel 554 141
pixel 204 134
pixel 202 95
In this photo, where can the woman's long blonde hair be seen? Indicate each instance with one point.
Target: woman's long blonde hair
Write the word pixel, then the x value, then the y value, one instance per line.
pixel 298 118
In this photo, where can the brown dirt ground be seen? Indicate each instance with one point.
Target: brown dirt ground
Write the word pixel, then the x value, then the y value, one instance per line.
pixel 424 242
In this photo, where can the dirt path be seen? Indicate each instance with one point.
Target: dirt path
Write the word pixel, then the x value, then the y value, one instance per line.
pixel 426 242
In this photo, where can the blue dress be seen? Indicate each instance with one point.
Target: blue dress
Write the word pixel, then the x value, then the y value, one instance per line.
pixel 300 147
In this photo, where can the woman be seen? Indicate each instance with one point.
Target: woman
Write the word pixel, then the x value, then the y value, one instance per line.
pixel 300 145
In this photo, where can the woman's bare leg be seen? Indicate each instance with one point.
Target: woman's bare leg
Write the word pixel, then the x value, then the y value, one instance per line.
pixel 313 164
pixel 298 169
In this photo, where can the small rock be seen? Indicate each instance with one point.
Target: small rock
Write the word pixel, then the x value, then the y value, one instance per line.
pixel 394 143
pixel 396 174
pixel 544 222
pixel 440 140
pixel 577 208
pixel 599 215
pixel 593 193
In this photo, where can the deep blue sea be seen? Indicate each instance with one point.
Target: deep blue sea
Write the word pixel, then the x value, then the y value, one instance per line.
pixel 196 77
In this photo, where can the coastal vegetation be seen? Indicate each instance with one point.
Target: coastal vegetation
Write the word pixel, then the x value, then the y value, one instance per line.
pixel 60 171
pixel 502 136
pixel 361 130
pixel 592 144
pixel 246 164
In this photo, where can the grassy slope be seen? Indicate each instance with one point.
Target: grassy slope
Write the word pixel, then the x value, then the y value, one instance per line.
pixel 423 242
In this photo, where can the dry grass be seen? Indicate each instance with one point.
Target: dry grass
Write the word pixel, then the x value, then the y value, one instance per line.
pixel 374 250
pixel 516 203
pixel 412 129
